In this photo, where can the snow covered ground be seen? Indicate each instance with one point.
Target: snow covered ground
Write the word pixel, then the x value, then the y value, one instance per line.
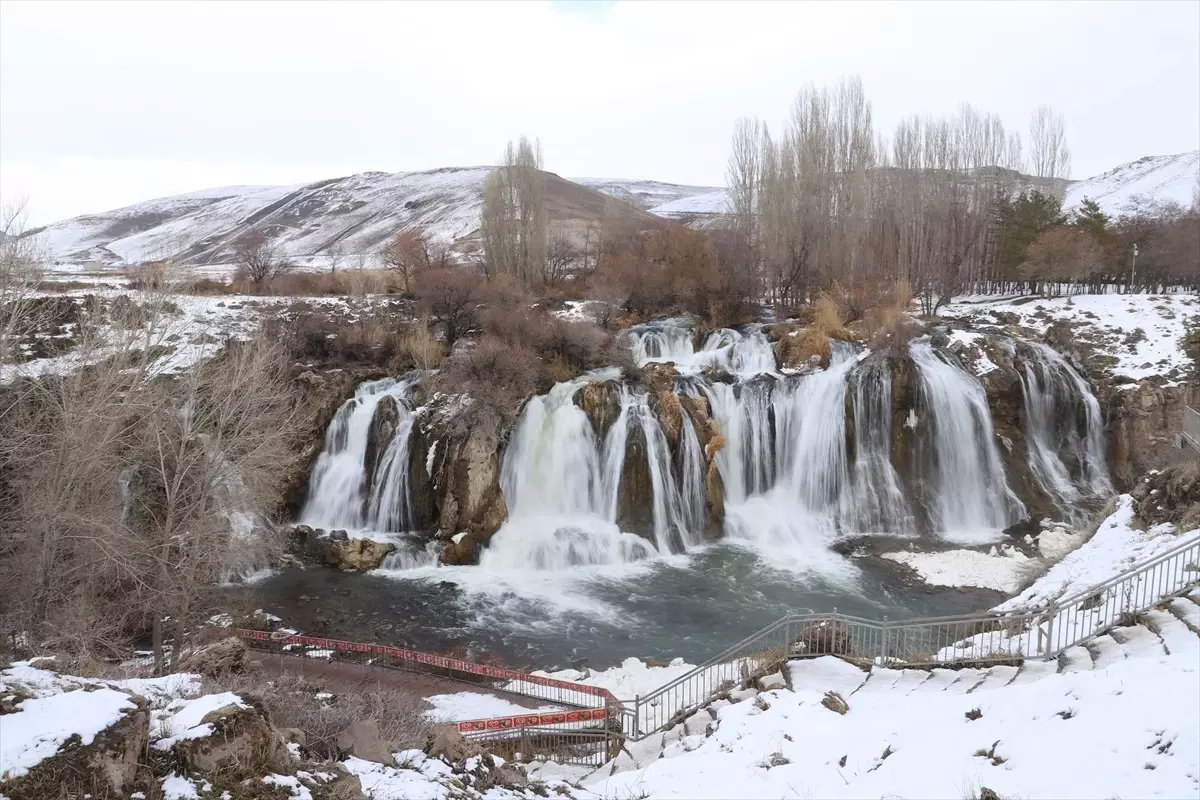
pixel 1127 729
pixel 1142 332
pixel 475 705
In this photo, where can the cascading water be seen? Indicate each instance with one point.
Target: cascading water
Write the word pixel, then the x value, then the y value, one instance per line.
pixel 724 350
pixel 877 503
pixel 563 484
pixel 971 500
pixel 338 494
pixel 1062 416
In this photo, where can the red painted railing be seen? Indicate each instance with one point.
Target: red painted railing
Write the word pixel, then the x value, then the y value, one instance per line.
pixel 609 706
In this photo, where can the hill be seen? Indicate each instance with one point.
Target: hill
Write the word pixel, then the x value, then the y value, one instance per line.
pixel 1161 178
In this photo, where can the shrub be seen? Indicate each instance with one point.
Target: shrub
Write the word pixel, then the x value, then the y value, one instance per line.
pixel 290 700
pixel 422 347
pixel 498 377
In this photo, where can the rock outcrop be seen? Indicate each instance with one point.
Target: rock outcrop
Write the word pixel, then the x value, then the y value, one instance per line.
pixel 337 549
pixel 243 744
pixel 225 657
pixel 107 767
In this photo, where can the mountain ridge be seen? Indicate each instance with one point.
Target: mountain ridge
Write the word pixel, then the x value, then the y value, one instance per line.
pixel 359 213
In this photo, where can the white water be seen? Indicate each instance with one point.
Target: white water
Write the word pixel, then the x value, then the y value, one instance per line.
pixel 1055 394
pixel 877 503
pixel 971 500
pixel 724 350
pixel 338 496
pixel 561 485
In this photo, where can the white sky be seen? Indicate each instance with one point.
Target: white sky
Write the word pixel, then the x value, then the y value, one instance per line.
pixel 106 104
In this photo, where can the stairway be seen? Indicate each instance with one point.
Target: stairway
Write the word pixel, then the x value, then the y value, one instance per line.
pixel 1171 630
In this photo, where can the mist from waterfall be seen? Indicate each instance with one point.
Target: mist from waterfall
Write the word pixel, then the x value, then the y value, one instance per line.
pixel 1062 418
pixel 338 493
pixel 971 499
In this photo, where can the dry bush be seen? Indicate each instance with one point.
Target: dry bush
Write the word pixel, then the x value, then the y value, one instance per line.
pixel 291 703
pixel 422 347
pixel 450 299
pixel 208 286
pixel 121 488
pixel 377 339
pixel 498 376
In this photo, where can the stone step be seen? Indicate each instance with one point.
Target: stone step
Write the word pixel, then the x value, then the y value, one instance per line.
pixel 1105 651
pixel 997 677
pixel 825 674
pixel 1176 637
pixel 911 680
pixel 1032 670
pixel 968 678
pixel 1075 659
pixel 881 680
pixel 939 679
pixel 1188 613
pixel 1138 641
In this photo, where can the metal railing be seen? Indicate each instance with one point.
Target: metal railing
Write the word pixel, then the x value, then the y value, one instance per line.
pixel 589 748
pixel 1191 428
pixel 958 641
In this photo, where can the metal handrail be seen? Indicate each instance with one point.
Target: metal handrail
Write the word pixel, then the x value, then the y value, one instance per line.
pixel 988 637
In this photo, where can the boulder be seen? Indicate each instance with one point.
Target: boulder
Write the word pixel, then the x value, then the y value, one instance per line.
pixel 225 657
pixel 359 555
pixel 107 767
pixel 835 703
pixel 361 740
pixel 379 435
pixel 446 743
pixel 823 637
pixel 243 744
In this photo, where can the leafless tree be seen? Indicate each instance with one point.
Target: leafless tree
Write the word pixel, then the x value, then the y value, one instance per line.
pixel 450 299
pixel 23 257
pixel 130 494
pixel 411 252
pixel 514 219
pixel 1050 156
pixel 562 256
pixel 259 258
pixel 335 255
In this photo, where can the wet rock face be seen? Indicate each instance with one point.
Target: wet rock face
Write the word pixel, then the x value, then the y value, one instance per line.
pixel 636 500
pixel 600 401
pixel 1143 422
pixel 379 437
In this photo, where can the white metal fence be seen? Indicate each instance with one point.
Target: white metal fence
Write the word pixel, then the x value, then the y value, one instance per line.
pixel 1042 633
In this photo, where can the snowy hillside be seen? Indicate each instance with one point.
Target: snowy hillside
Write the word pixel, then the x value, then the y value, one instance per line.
pixel 712 202
pixel 646 195
pixel 1163 178
pixel 357 213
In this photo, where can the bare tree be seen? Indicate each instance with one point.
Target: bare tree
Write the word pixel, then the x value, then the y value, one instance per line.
pixel 514 219
pixel 1050 156
pixel 412 252
pixel 335 255
pixel 259 258
pixel 450 299
pixel 22 261
pixel 562 256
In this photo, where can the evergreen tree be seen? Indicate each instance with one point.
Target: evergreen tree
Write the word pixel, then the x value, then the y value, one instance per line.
pixel 1021 220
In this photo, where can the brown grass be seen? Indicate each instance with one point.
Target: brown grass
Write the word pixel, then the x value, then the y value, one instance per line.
pixel 422 347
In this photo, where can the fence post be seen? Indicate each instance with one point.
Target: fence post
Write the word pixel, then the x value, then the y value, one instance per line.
pixel 1051 612
pixel 883 642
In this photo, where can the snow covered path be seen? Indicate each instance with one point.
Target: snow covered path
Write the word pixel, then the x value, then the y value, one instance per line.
pixel 1118 718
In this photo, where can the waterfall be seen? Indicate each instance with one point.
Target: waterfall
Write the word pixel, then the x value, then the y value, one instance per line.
pixel 1062 416
pixel 338 494
pixel 563 485
pixel 971 499
pixel 877 503
pixel 724 350
pixel 810 421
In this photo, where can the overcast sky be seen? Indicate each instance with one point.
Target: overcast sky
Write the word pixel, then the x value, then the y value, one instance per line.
pixel 106 104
